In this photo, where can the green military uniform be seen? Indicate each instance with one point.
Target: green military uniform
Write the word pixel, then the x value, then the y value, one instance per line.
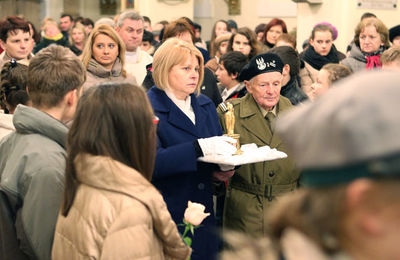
pixel 254 186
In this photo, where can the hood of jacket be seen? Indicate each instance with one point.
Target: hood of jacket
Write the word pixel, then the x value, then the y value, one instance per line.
pixel 29 120
pixel 356 53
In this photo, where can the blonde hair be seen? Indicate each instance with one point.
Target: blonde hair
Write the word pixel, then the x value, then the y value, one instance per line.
pixel 77 26
pixel 110 32
pixel 336 71
pixel 173 52
pixel 391 55
pixel 379 26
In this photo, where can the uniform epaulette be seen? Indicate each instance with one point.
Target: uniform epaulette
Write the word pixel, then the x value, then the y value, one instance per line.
pixel 223 107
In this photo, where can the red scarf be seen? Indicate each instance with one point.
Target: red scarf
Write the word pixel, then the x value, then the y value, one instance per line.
pixel 373 62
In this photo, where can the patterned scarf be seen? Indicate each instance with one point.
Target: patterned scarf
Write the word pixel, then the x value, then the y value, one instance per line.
pixel 373 59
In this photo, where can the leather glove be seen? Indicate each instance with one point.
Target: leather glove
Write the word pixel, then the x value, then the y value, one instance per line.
pixel 222 145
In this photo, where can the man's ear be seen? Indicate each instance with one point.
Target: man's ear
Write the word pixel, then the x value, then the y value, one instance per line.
pixel 3 45
pixel 117 29
pixel 234 75
pixel 367 219
pixel 286 70
pixel 248 86
pixel 72 97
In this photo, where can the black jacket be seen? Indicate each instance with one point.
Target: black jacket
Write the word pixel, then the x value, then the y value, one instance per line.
pixel 293 92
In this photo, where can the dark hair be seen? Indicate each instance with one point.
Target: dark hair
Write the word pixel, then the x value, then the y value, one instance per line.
pixel 321 28
pixel 103 116
pixel 288 56
pixel 12 24
pixel 367 15
pixel 260 28
pixel 231 24
pixel 274 22
pixel 147 36
pixel 233 61
pixel 87 22
pixel 78 19
pixel 197 26
pixel 36 36
pixel 13 84
pixel 67 15
pixel 251 37
pixel 177 27
pixel 52 73
pixel 146 19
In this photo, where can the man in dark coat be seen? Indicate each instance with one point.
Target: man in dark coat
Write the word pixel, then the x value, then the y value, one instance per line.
pixel 291 80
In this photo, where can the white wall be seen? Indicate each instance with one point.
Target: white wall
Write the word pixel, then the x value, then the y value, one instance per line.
pixel 158 11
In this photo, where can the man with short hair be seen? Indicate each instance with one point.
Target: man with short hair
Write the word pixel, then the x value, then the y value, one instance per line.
pixel 255 186
pixel 230 65
pixel 15 39
pixel 130 28
pixel 291 79
pixel 66 23
pixel 32 161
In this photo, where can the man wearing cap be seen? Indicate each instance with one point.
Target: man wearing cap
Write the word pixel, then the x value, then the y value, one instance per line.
pixel 254 186
pixel 394 35
pixel 349 205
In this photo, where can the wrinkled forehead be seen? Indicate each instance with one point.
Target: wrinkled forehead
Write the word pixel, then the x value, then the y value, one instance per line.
pixel 267 77
pixel 134 24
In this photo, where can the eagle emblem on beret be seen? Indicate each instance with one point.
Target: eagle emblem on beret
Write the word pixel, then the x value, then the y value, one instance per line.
pixel 261 64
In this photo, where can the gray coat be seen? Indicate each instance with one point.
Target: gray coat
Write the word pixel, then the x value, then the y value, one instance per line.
pixel 32 167
pixel 356 60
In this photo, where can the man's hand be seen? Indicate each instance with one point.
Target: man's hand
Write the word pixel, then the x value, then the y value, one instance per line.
pixel 223 176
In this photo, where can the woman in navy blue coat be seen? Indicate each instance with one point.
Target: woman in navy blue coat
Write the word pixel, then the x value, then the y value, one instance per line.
pixel 188 128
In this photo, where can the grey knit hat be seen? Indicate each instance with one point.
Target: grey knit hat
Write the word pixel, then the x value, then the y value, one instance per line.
pixel 351 131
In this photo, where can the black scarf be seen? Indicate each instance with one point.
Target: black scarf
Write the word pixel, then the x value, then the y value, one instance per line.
pixel 317 61
pixel 269 45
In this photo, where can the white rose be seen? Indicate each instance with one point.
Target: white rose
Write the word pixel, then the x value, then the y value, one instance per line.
pixel 194 213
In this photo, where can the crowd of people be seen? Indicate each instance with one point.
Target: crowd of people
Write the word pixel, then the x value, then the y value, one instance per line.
pixel 104 125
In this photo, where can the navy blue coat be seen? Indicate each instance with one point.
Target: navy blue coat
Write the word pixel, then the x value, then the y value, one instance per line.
pixel 178 175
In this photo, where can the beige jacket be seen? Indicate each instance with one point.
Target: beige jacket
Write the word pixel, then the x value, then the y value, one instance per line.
pixel 308 76
pixel 116 214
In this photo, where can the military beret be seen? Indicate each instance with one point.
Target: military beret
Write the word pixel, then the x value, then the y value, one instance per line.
pixel 263 63
pixel 393 32
pixel 351 131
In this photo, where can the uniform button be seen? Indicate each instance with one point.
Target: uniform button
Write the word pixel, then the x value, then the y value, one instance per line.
pixel 203 87
pixel 200 186
pixel 271 174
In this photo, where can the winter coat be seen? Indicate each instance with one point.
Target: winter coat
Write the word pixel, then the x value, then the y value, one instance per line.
pixel 212 64
pixel 45 42
pixel 356 60
pixel 4 58
pixel 178 175
pixel 293 92
pixel 32 166
pixel 116 214
pixel 96 74
pixel 255 186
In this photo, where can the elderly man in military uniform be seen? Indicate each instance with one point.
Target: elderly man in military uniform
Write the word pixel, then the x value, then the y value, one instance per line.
pixel 255 186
